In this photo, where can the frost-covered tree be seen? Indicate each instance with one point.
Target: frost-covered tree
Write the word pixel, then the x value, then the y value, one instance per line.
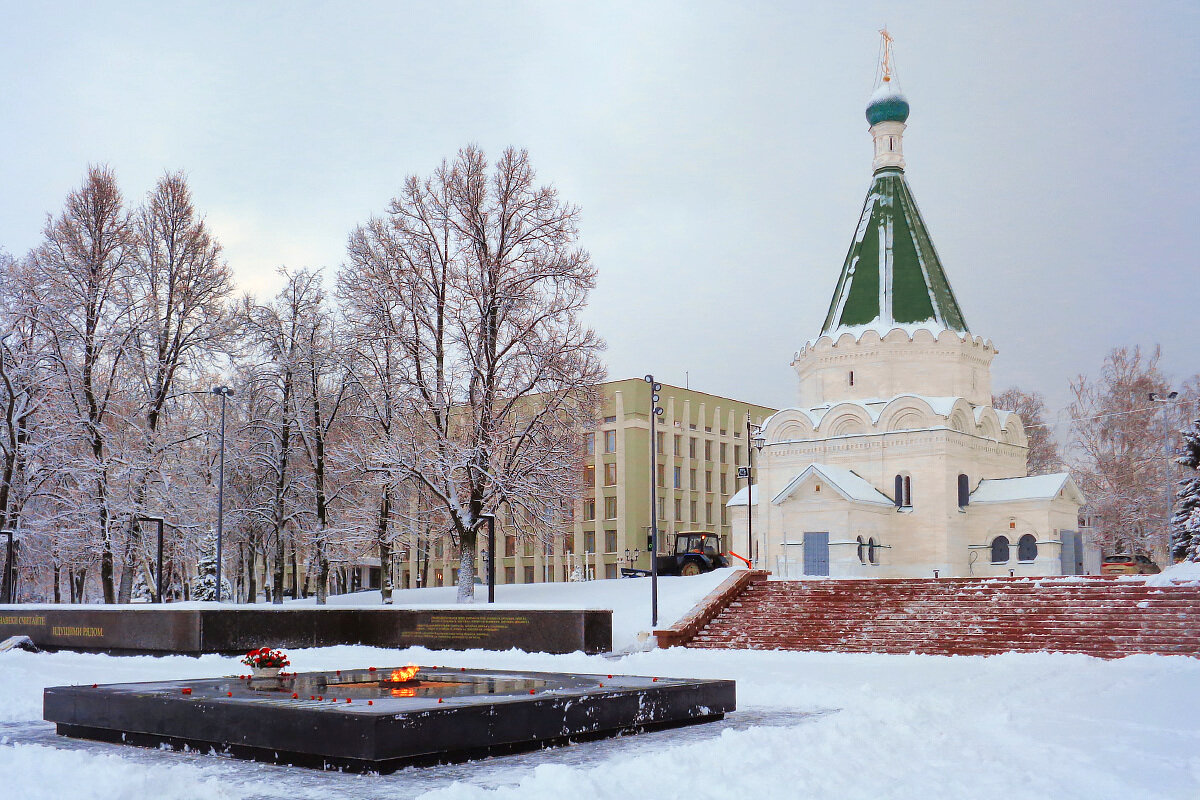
pixel 182 286
pixel 204 585
pixel 85 266
pixel 1185 519
pixel 480 272
pixel 1119 439
pixel 1043 456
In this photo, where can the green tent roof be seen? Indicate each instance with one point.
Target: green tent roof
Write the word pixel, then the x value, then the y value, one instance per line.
pixel 892 277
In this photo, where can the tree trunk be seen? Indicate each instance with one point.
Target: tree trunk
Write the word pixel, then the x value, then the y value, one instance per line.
pixel 277 571
pixel 466 567
pixel 385 547
pixel 57 590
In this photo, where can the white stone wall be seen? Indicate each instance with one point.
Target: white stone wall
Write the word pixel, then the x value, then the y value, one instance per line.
pixel 948 365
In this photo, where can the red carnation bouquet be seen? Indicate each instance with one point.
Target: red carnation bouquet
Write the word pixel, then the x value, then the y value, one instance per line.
pixel 266 658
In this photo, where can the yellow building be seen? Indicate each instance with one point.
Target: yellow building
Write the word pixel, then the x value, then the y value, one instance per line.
pixel 701 442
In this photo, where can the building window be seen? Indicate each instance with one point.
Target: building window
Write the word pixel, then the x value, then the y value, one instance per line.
pixel 610 474
pixel 678 510
pixel 610 541
pixel 691 447
pixel 903 491
pixel 737 453
pixel 724 515
pixel 662 508
pixel 529 575
pixel 862 551
pixel 1000 550
pixel 678 475
pixel 692 479
pixel 589 541
pixel 662 475
pixel 589 510
pixel 1027 548
pixel 510 546
pixel 724 484
pixel 708 513
pixel 610 441
pixel 964 491
pixel 589 444
pixel 589 475
pixel 692 509
pixel 610 571
pixel 707 450
pixel 678 445
pixel 438 549
pixel 528 549
pixel 608 420
pixel 569 543
pixel 610 508
pixel 724 451
pixel 708 480
pixel 510 574
pixel 851 377
pixel 872 551
pixel 660 441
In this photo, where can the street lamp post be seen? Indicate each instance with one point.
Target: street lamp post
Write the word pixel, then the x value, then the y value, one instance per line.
pixel 655 412
pixel 158 576
pixel 1167 400
pixel 223 392
pixel 757 442
pixel 9 585
pixel 490 519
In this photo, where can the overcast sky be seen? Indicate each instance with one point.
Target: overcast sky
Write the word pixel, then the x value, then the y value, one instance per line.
pixel 718 151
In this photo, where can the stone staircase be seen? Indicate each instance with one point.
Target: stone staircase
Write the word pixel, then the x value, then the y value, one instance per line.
pixel 957 616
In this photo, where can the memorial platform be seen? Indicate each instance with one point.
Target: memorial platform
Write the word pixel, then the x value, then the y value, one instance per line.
pixel 380 720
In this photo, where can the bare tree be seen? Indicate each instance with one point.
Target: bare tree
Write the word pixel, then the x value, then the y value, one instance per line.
pixel 1043 457
pixel 182 286
pixel 277 331
pixel 324 382
pixel 85 264
pixel 1119 435
pixel 499 374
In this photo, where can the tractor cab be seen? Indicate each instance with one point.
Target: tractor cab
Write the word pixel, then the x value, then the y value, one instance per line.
pixel 698 543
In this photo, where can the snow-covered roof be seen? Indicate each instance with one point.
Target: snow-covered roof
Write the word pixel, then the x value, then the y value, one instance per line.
pixel 1036 487
pixel 848 484
pixel 739 499
pixel 892 276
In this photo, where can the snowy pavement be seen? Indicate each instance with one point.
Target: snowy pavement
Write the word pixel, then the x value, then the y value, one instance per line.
pixel 808 725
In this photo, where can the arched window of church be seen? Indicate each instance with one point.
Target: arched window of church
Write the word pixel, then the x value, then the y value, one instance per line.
pixel 862 551
pixel 903 491
pixel 907 490
pixel 964 491
pixel 851 377
pixel 872 551
pixel 899 491
pixel 1000 550
pixel 1027 548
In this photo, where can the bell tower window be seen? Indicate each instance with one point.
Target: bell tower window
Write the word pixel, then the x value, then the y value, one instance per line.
pixel 851 377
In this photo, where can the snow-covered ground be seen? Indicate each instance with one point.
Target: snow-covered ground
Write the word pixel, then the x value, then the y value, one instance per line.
pixel 808 725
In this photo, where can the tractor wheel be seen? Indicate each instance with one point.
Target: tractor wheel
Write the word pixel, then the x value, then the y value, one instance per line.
pixel 690 568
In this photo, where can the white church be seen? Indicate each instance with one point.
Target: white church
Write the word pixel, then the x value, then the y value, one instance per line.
pixel 894 463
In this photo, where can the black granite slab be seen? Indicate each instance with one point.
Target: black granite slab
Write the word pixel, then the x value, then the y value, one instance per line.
pixel 358 719
pixel 162 629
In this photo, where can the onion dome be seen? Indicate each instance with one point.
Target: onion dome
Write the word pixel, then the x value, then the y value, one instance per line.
pixel 887 104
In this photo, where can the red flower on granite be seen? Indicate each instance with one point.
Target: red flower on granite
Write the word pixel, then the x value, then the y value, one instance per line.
pixel 266 658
